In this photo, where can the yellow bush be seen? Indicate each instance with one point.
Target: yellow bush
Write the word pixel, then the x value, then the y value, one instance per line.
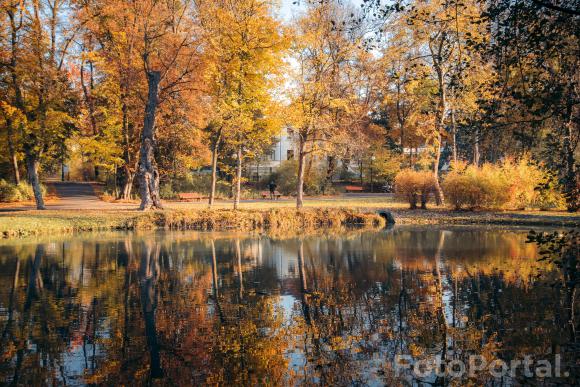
pixel 461 190
pixel 472 187
pixel 413 186
pixel 525 177
pixel 509 185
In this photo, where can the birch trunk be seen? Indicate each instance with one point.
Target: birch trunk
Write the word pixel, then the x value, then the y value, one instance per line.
pixel 476 154
pixel 238 179
pixel 439 127
pixel 126 176
pixel 300 182
pixel 454 135
pixel 214 157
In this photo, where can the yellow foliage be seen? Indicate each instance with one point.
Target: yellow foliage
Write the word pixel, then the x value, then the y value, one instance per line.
pixel 509 185
pixel 413 185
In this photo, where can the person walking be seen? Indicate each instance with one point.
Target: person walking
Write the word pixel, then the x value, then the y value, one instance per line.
pixel 272 186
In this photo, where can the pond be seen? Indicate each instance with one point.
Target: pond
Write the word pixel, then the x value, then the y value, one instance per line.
pixel 407 305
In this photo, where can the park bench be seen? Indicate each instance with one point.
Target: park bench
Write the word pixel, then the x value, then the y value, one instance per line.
pixel 353 188
pixel 266 194
pixel 188 196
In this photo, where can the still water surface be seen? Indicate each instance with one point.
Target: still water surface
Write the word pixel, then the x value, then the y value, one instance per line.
pixel 198 308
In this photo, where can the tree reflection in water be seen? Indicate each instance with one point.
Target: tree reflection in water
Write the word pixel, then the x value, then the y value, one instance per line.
pixel 192 308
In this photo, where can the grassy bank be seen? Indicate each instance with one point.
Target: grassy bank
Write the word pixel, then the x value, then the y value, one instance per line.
pixel 269 216
pixel 505 218
pixel 29 223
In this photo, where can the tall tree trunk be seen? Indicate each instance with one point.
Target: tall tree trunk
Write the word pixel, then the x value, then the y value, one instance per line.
pixel 125 176
pixel 90 105
pixel 148 173
pixel 12 151
pixel 454 135
pixel 88 100
pixel 214 159
pixel 400 119
pixel 330 169
pixel 572 178
pixel 19 101
pixel 345 165
pixel 128 186
pixel 32 166
pixel 300 182
pixel 238 179
pixel 476 154
pixel 62 160
pixel 438 190
pixel 439 128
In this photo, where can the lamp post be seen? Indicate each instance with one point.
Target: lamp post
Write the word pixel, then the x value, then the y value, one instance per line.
pixel 372 185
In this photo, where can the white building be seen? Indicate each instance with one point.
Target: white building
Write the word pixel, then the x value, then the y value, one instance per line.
pixel 284 148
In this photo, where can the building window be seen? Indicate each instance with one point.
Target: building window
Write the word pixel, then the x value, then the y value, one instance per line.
pixel 290 154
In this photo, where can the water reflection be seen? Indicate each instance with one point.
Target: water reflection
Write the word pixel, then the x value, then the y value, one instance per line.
pixel 192 308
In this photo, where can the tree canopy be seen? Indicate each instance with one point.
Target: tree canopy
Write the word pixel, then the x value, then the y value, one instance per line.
pixel 140 94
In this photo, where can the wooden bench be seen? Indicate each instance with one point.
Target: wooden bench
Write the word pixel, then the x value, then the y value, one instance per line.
pixel 353 188
pixel 187 196
pixel 266 194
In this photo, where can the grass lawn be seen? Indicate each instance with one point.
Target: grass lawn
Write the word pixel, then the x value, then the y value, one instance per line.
pixel 433 215
pixel 366 202
pixel 323 211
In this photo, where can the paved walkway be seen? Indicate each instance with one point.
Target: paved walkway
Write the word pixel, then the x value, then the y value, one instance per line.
pixel 76 195
pixel 72 196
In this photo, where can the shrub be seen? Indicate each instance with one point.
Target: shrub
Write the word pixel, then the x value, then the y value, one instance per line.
pixel 9 192
pixel 413 186
pixel 26 191
pixel 460 190
pixel 524 176
pixel 509 185
pixel 14 193
pixel 472 187
pixel 197 182
pixel 286 178
pixel 548 195
pixel 166 192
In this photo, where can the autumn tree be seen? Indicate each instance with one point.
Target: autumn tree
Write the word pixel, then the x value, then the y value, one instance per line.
pixel 404 98
pixel 245 45
pixel 168 50
pixel 114 88
pixel 39 108
pixel 324 51
pixel 534 49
